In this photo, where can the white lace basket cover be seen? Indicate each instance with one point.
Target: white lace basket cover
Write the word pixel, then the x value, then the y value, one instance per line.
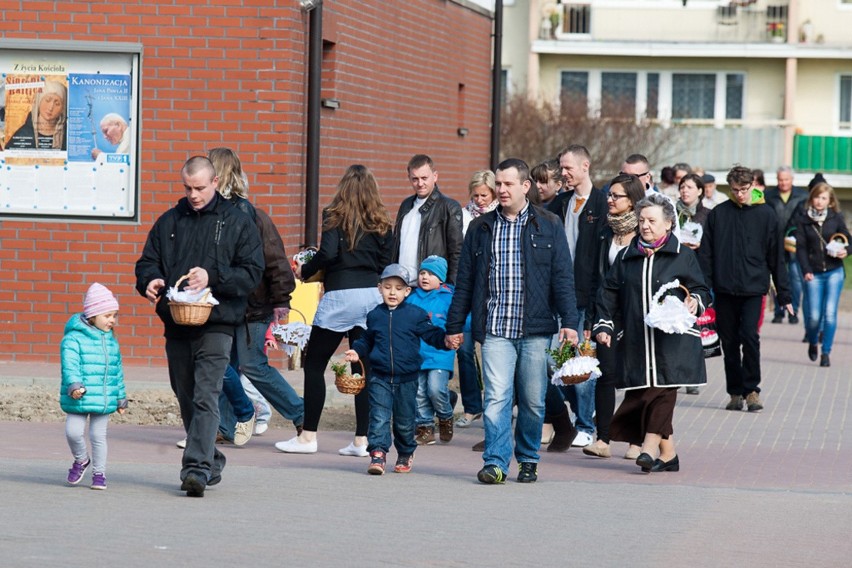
pixel 669 314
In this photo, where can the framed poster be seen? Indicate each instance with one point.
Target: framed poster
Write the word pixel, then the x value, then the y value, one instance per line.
pixel 69 130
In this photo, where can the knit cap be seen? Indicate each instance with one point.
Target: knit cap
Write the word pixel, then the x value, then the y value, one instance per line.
pixel 99 300
pixel 437 265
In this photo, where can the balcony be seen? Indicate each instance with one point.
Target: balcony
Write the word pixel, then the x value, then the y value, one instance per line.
pixel 718 149
pixel 827 154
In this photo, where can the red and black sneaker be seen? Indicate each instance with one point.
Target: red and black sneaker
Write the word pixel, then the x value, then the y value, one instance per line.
pixel 403 464
pixel 377 463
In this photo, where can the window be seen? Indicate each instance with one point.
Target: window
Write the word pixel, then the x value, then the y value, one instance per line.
pixel 845 116
pixel 504 86
pixel 652 96
pixel 575 86
pixel 693 95
pixel 733 96
pixel 618 95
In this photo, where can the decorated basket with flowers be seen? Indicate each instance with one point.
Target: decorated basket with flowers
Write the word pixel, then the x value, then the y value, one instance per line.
pixel 292 335
pixel 344 381
pixel 836 243
pixel 574 363
pixel 669 313
pixel 691 233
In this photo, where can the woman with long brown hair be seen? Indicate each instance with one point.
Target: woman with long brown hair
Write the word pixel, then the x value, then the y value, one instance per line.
pixel 354 249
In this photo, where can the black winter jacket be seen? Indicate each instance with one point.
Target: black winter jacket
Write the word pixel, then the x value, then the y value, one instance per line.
pixel 810 248
pixel 548 276
pixel 651 357
pixel 221 239
pixel 788 212
pixel 741 248
pixel 592 219
pixel 345 269
pixel 277 283
pixel 440 230
pixel 392 341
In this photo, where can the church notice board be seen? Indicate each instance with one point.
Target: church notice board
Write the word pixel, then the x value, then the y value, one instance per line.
pixel 69 124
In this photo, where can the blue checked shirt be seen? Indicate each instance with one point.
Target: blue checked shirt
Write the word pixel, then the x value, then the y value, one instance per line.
pixel 506 277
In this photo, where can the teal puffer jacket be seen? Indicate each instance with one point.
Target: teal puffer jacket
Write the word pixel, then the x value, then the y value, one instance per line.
pixel 90 358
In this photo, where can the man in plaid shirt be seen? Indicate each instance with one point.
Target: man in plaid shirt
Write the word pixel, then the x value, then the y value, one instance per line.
pixel 517 282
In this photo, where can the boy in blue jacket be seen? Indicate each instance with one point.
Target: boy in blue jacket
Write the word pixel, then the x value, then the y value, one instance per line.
pixel 392 344
pixel 433 392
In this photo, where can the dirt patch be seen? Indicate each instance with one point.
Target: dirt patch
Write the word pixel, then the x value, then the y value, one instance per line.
pixel 146 407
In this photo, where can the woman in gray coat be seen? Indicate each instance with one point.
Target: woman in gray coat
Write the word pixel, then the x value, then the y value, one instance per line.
pixel 655 363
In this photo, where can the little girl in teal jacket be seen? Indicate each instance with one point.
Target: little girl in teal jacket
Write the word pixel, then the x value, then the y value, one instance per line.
pixel 92 382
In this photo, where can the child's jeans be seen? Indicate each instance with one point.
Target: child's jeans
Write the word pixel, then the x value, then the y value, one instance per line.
pixel 75 433
pixel 433 396
pixel 397 401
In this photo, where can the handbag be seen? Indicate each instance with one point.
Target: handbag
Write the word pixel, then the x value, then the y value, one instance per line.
pixel 709 338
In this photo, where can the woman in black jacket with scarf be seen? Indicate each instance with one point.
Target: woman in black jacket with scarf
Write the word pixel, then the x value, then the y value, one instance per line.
pixel 823 272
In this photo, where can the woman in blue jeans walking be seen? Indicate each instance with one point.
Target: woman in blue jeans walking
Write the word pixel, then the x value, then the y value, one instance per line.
pixel 822 266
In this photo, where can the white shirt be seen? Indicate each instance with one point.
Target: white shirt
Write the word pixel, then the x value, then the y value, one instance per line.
pixel 409 238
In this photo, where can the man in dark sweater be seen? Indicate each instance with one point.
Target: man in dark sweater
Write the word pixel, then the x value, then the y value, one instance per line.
pixel 740 250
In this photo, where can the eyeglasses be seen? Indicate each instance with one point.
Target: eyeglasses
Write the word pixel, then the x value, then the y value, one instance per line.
pixel 740 189
pixel 615 196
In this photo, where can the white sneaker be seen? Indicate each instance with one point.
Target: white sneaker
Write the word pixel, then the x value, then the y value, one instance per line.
pixel 243 431
pixel 582 439
pixel 260 428
pixel 181 444
pixel 354 451
pixel 294 446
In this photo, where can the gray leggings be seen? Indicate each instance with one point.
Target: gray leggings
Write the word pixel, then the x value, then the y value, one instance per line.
pixel 75 426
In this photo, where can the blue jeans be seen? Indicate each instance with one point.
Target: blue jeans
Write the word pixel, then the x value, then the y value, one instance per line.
pixel 254 364
pixel 433 396
pixel 234 405
pixel 392 401
pixel 470 382
pixel 794 272
pixel 513 367
pixel 823 294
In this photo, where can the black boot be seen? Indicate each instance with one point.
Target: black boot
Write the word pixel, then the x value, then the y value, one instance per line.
pixel 565 432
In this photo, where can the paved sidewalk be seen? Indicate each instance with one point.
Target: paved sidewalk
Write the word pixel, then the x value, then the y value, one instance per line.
pixel 766 489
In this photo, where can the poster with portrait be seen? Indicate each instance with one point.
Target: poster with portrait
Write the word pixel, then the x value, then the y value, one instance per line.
pixel 99 118
pixel 69 136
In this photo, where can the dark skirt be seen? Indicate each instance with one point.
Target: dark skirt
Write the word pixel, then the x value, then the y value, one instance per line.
pixel 649 410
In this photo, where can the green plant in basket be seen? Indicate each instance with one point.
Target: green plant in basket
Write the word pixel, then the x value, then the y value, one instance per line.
pixel 339 368
pixel 561 354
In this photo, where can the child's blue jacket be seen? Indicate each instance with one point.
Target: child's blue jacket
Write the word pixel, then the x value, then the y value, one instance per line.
pixel 436 303
pixel 392 341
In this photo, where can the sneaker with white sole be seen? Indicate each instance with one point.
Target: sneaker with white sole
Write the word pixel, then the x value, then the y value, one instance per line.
pixel 354 451
pixel 181 444
pixel 294 446
pixel 244 431
pixel 78 470
pixel 98 481
pixel 260 428
pixel 582 439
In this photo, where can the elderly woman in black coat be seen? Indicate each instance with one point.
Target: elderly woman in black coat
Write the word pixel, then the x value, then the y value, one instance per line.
pixel 655 363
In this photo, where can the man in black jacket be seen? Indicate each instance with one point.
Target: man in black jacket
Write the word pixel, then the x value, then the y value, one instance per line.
pixel 218 246
pixel 582 210
pixel 428 222
pixel 741 248
pixel 516 282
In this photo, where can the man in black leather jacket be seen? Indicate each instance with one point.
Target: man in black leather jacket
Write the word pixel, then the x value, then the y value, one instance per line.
pixel 428 222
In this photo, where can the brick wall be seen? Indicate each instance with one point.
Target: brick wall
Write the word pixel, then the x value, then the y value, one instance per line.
pixel 233 73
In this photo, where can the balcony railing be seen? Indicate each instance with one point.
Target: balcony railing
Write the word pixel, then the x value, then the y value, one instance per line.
pixel 718 149
pixel 828 154
pixel 575 20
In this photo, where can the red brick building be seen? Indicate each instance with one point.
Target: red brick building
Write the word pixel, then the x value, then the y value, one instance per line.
pixel 233 73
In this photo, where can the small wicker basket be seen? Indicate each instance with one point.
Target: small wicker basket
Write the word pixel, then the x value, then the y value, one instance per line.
pixel 584 349
pixel 350 384
pixel 190 313
pixel 839 237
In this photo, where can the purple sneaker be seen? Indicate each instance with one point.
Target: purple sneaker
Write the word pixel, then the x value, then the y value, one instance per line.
pixel 77 471
pixel 98 481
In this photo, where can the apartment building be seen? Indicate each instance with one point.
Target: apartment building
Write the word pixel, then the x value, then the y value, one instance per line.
pixel 757 82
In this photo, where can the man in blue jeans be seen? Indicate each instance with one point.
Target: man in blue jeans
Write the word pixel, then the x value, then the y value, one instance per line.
pixel 515 278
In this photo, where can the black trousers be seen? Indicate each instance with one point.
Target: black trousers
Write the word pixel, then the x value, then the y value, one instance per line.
pixel 736 323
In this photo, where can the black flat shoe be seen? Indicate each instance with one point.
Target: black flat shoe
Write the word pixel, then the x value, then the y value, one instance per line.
pixel 645 461
pixel 671 465
pixel 812 352
pixel 825 361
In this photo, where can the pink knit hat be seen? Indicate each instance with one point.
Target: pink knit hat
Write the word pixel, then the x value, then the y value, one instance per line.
pixel 99 300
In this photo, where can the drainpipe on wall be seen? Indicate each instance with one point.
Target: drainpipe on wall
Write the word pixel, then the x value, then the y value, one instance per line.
pixel 313 125
pixel 496 84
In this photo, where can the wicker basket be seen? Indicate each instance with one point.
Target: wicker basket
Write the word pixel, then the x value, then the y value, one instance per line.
pixel 190 313
pixel 839 237
pixel 584 349
pixel 304 319
pixel 349 384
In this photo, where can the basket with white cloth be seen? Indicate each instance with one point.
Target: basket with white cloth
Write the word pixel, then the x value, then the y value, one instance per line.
pixel 669 313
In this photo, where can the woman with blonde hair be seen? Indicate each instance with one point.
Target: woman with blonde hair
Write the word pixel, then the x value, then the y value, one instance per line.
pixel 44 128
pixel 822 266
pixel 355 247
